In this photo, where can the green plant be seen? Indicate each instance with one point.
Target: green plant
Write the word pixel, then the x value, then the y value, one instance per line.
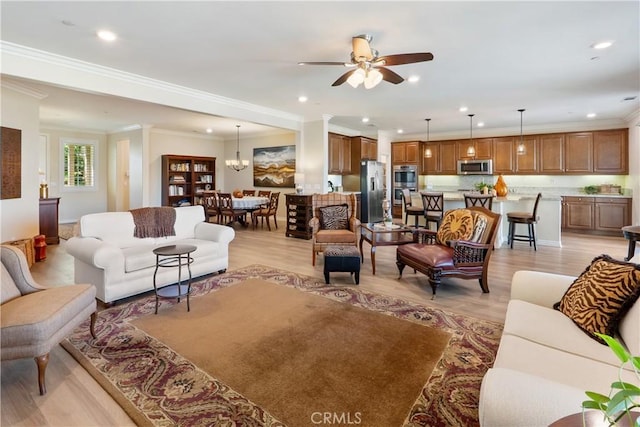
pixel 480 185
pixel 591 189
pixel 623 396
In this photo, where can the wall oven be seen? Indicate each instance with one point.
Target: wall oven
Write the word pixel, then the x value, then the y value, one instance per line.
pixel 404 176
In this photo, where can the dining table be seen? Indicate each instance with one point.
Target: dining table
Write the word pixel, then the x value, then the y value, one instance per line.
pixel 249 204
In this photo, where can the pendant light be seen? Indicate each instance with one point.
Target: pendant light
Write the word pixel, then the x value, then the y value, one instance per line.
pixel 522 149
pixel 237 164
pixel 427 152
pixel 471 150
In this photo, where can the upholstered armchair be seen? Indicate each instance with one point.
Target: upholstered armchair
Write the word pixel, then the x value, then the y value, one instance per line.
pixel 334 222
pixel 460 248
pixel 35 318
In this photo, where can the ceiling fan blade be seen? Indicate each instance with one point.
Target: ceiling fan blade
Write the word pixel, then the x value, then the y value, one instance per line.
pixel 343 78
pixel 361 47
pixel 389 75
pixel 405 58
pixel 324 63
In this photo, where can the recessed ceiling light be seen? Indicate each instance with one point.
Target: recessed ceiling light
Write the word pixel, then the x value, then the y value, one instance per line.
pixel 107 35
pixel 413 79
pixel 209 130
pixel 400 131
pixel 602 45
pixel 480 124
pixel 302 98
pixel 365 120
pixel 463 109
pixel 591 115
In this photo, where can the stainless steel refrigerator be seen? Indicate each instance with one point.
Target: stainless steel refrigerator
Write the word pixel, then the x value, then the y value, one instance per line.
pixel 372 189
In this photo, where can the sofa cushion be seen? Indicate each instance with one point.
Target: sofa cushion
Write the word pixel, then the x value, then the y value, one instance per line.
pixel 139 257
pixel 336 236
pixel 335 217
pixel 598 299
pixel 457 224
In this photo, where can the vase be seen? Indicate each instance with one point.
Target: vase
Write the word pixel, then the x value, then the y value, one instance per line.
pixel 501 187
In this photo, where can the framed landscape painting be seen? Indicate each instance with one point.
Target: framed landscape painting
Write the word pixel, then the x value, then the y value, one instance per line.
pixel 274 166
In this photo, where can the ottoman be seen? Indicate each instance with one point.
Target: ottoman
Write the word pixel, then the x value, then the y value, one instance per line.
pixel 342 258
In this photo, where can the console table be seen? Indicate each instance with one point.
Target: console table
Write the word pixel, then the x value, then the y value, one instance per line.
pixel 298 215
pixel 49 220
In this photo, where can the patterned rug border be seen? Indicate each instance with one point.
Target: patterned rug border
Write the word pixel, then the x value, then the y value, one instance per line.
pixel 449 398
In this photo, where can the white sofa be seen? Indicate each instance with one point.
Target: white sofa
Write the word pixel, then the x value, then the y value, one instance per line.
pixel 545 363
pixel 120 265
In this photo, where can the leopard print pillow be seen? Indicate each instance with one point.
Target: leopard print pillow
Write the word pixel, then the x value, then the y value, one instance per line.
pixel 457 224
pixel 599 298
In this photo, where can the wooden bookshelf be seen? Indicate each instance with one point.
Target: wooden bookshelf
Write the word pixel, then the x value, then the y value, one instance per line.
pixel 185 178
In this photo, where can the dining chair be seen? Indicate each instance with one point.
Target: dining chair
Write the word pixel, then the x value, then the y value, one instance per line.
pixel 484 200
pixel 248 192
pixel 528 218
pixel 210 203
pixel 433 204
pixel 264 193
pixel 266 212
pixel 409 209
pixel 227 213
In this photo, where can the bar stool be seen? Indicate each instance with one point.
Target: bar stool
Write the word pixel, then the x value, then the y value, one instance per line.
pixel 433 204
pixel 523 218
pixel 484 200
pixel 409 209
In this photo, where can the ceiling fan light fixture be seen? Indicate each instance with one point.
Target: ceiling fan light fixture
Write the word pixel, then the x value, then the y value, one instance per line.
pixel 373 78
pixel 357 77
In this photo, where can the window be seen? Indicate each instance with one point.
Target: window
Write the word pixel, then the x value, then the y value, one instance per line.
pixel 78 163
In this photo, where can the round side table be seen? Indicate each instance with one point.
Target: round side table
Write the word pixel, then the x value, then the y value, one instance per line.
pixel 631 233
pixel 173 256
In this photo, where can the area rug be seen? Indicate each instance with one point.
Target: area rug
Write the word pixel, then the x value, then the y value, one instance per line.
pixel 160 380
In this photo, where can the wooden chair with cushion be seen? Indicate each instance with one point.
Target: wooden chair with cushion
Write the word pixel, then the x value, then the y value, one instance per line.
pixel 227 213
pixel 461 247
pixel 484 200
pixel 409 209
pixel 334 222
pixel 433 208
pixel 266 212
pixel 528 218
pixel 248 192
pixel 36 318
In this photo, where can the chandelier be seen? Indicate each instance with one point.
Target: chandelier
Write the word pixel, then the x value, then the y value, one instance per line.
pixel 237 164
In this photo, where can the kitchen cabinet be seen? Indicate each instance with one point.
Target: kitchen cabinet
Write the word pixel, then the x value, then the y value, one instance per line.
pixel 551 153
pixel 578 152
pixel 610 151
pixel 185 178
pixel 365 148
pixel 527 163
pixel 597 215
pixel 503 155
pixel 404 153
pixel 483 149
pixel 443 160
pixel 339 154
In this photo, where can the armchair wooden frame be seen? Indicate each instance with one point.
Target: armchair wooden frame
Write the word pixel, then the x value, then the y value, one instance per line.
pixel 462 259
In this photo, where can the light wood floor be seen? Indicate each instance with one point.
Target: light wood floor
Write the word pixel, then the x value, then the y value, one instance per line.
pixel 75 399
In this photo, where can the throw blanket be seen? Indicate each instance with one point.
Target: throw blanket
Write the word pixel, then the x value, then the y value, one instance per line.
pixel 154 222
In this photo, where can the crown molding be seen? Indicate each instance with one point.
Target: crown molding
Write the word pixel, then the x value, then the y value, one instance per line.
pixel 23 89
pixel 12 49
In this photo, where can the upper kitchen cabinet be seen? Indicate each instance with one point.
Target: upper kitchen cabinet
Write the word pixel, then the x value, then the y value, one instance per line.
pixel 365 148
pixel 551 153
pixel 527 162
pixel 443 160
pixel 339 154
pixel 483 149
pixel 611 151
pixel 578 152
pixel 404 153
pixel 503 155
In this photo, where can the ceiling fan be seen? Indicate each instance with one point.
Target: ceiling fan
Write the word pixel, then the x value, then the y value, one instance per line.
pixel 368 67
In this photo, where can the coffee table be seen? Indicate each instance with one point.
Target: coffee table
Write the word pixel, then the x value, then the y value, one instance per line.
pixel 174 256
pixel 631 233
pixel 377 234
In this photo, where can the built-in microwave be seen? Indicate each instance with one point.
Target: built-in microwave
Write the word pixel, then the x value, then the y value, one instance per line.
pixel 475 167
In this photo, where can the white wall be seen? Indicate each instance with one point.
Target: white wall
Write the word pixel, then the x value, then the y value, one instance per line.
pixel 75 203
pixel 20 217
pixel 633 180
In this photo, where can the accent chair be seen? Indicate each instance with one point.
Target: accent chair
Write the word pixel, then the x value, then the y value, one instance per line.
pixel 334 222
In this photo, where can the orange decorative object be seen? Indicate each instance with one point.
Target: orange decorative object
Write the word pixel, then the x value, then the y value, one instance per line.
pixel 501 187
pixel 237 194
pixel 41 247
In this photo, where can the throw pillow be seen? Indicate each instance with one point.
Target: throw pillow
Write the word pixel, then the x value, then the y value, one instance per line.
pixel 457 224
pixel 335 217
pixel 599 298
pixel 479 227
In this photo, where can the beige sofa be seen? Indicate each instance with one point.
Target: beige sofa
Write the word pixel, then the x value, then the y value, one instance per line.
pixel 120 265
pixel 545 363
